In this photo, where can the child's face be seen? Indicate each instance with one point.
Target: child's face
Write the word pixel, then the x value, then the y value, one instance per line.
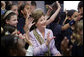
pixel 74 15
pixel 81 10
pixel 41 22
pixel 33 8
pixel 13 20
pixel 15 9
pixel 26 9
pixel 28 2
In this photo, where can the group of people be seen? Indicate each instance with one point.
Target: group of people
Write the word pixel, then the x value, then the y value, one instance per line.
pixel 27 31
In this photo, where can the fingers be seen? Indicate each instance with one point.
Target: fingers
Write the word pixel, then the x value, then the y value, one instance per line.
pixel 33 23
pixel 78 17
pixel 50 7
pixel 21 36
pixel 48 38
pixel 52 37
pixel 65 41
pixel 31 20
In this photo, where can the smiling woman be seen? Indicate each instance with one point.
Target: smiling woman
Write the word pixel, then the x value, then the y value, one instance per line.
pixel 41 37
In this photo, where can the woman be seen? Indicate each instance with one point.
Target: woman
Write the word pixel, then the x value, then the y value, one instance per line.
pixel 41 37
pixel 77 39
pixel 23 10
pixel 71 15
pixel 13 7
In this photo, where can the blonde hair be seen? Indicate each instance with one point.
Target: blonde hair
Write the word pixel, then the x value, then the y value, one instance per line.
pixel 76 37
pixel 36 14
pixel 79 26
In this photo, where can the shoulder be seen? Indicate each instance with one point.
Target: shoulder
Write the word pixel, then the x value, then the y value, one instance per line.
pixel 31 34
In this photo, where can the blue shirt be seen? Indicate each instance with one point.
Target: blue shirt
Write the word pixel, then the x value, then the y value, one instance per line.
pixel 2 11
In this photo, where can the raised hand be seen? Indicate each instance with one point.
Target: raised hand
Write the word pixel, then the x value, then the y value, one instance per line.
pixel 65 48
pixel 78 17
pixel 49 10
pixel 57 10
pixel 28 22
pixel 48 38
pixel 27 39
pixel 58 4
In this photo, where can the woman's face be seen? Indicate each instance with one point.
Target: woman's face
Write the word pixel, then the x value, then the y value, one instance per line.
pixel 33 8
pixel 81 10
pixel 26 9
pixel 74 15
pixel 13 21
pixel 15 9
pixel 41 22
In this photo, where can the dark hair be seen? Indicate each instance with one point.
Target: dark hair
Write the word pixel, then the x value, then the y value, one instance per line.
pixel 80 4
pixel 10 6
pixel 7 4
pixel 54 6
pixel 22 8
pixel 7 17
pixel 70 13
pixel 9 28
pixel 8 42
pixel 33 3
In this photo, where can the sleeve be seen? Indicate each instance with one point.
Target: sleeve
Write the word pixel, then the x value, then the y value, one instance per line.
pixel 38 49
pixel 29 51
pixel 53 49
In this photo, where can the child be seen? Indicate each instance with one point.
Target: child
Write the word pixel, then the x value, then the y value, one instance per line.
pixel 12 46
pixel 9 17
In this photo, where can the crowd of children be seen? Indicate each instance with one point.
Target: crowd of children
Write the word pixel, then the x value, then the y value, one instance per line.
pixel 27 31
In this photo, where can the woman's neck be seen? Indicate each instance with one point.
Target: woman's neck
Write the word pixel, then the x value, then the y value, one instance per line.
pixel 41 30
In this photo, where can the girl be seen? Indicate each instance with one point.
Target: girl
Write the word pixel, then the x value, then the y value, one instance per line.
pixel 10 22
pixel 24 9
pixel 13 7
pixel 12 46
pixel 10 18
pixel 77 39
